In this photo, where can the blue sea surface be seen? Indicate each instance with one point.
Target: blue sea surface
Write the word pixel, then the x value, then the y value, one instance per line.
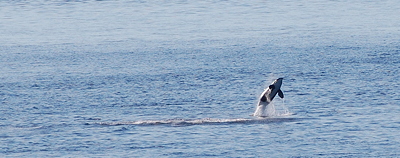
pixel 157 78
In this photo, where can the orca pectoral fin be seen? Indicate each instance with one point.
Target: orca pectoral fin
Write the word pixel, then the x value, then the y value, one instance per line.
pixel 280 93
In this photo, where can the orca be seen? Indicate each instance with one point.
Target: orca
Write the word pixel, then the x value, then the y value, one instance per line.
pixel 268 95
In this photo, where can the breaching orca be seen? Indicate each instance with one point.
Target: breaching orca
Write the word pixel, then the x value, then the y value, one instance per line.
pixel 268 95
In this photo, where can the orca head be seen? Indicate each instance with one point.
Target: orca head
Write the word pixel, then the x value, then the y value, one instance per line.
pixel 277 83
pixel 278 80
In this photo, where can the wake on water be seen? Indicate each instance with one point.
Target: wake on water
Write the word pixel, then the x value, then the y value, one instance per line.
pixel 205 121
pixel 270 114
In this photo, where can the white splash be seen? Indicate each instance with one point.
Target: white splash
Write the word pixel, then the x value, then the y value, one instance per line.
pixel 271 110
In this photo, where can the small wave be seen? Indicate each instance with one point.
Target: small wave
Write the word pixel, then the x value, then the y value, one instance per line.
pixel 205 121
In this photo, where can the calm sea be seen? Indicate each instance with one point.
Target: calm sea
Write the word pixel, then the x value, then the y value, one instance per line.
pixel 181 78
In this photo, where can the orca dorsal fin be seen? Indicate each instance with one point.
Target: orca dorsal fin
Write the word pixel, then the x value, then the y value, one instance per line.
pixel 280 93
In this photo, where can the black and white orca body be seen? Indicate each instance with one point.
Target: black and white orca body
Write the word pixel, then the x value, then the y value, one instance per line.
pixel 266 98
pixel 269 94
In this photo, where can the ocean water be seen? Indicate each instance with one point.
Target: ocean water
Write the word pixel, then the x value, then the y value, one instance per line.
pixel 182 78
